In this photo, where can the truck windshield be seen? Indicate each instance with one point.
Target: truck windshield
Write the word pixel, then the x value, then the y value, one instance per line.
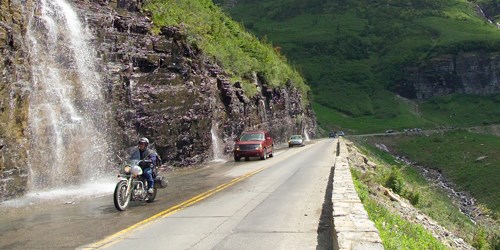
pixel 252 137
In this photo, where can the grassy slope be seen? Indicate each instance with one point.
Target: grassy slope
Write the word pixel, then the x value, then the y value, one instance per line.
pixel 455 154
pixel 432 201
pixel 351 52
pixel 395 232
pixel 454 110
pixel 239 53
pixel 463 110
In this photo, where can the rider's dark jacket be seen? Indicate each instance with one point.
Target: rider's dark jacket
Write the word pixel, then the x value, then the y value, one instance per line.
pixel 147 154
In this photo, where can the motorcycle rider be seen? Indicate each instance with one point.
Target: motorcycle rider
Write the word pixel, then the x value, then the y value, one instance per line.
pixel 148 161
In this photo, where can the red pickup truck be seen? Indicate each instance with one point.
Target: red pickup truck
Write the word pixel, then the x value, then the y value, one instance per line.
pixel 257 143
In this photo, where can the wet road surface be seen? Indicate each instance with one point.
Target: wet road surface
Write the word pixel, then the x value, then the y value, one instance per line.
pixel 61 225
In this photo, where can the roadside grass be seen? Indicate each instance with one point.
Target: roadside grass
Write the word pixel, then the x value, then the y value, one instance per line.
pixel 395 232
pixel 453 153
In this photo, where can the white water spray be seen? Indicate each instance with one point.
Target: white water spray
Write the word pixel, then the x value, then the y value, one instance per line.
pixel 306 135
pixel 67 113
pixel 218 153
pixel 264 112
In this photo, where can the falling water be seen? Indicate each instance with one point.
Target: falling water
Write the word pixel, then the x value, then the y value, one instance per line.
pixel 485 17
pixel 306 135
pixel 67 113
pixel 216 146
pixel 264 112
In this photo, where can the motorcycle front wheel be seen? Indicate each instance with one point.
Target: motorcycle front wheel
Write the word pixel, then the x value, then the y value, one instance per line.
pixel 121 198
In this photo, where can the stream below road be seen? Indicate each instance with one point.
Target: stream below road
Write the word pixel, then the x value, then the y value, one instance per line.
pixel 467 203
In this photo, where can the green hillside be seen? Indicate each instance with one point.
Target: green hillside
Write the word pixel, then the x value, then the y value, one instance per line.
pixel 353 53
pixel 226 42
pixel 469 160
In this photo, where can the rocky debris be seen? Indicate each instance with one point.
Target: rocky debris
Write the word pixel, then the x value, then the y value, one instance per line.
pixel 480 158
pixel 404 208
pixel 382 147
pixel 465 200
pixel 393 196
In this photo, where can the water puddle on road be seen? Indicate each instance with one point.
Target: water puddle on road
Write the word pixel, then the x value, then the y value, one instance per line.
pixel 67 195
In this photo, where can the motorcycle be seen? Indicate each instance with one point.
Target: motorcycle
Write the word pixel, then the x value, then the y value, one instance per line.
pixel 133 187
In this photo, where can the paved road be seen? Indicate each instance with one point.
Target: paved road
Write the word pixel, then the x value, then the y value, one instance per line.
pixel 280 203
pixel 68 223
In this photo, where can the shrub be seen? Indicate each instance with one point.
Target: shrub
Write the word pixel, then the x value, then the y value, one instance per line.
pixel 480 240
pixel 395 181
pixel 412 195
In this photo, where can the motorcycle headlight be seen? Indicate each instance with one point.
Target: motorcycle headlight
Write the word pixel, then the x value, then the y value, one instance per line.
pixel 126 169
pixel 136 170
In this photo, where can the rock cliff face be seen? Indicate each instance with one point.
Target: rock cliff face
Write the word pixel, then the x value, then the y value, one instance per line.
pixel 14 76
pixel 158 86
pixel 471 73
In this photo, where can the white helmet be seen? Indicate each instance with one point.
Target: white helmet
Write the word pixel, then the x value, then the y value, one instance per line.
pixel 144 140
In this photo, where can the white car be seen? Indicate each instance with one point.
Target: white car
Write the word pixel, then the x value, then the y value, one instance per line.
pixel 295 140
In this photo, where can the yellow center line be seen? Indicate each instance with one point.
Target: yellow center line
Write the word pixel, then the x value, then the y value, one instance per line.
pixel 165 213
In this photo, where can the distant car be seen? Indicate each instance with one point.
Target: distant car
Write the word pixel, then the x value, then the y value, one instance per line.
pixel 295 140
pixel 258 143
pixel 332 135
pixel 389 131
pixel 340 133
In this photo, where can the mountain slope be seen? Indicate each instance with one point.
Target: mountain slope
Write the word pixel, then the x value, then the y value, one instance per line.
pixel 353 50
pixel 239 52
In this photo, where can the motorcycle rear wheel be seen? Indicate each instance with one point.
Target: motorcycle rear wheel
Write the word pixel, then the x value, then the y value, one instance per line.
pixel 121 199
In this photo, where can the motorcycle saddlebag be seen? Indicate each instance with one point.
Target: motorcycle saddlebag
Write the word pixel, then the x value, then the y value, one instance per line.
pixel 161 182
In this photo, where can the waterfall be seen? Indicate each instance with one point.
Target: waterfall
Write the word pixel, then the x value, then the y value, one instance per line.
pixel 264 112
pixel 486 17
pixel 67 113
pixel 218 154
pixel 306 135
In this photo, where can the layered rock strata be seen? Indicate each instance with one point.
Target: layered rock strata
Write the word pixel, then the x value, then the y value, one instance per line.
pixel 468 73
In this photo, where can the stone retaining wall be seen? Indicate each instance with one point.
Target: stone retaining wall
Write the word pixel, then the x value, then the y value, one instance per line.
pixel 352 227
